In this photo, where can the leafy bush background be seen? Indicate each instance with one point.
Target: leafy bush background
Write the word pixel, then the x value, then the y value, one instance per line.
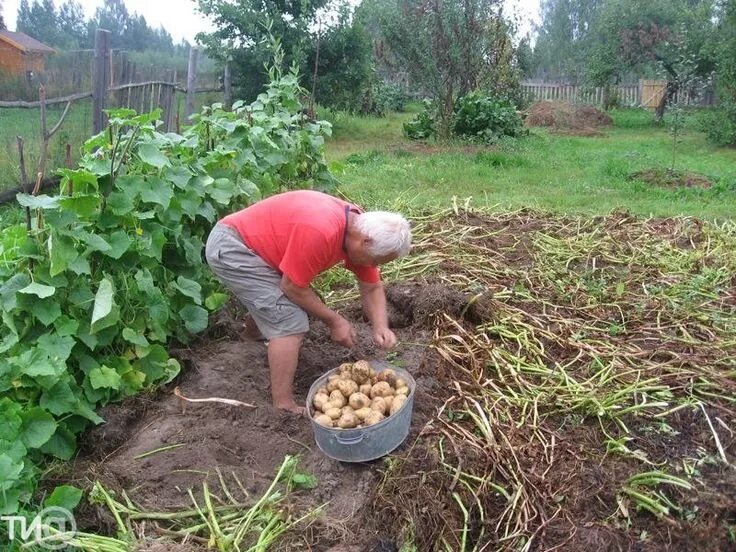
pixel 112 267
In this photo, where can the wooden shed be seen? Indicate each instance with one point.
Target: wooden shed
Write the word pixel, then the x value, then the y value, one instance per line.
pixel 20 54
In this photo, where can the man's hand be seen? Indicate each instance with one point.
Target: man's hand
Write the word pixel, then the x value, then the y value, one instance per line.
pixel 384 338
pixel 342 332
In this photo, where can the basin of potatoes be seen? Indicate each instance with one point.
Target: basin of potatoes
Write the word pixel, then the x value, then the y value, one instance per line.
pixel 363 442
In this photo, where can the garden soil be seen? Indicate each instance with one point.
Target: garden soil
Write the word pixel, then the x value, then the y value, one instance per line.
pixel 251 443
pixel 572 484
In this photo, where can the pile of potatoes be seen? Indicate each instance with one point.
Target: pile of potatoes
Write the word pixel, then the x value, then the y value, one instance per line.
pixel 358 396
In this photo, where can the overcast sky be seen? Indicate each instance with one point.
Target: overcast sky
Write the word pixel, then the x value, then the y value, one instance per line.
pixel 181 20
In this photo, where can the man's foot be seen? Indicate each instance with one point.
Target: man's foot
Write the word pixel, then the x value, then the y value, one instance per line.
pixel 292 407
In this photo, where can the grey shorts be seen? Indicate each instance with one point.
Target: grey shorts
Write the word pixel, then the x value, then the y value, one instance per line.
pixel 254 283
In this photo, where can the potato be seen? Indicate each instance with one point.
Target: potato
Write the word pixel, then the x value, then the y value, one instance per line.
pixel 400 382
pixel 379 405
pixel 323 420
pixel 359 400
pixel 338 399
pixel 388 375
pixel 348 421
pixel 347 410
pixel 333 384
pixel 373 418
pixel 362 413
pixel 361 371
pixel 319 401
pixel 402 391
pixel 389 401
pixel 365 388
pixel 333 412
pixel 322 390
pixel 397 403
pixel 373 375
pixel 347 387
pixel 380 389
pixel 345 369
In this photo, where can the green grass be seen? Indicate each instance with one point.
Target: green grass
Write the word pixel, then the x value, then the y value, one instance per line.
pixel 376 165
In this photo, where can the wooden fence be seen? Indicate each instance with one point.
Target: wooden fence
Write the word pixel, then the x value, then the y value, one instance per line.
pixel 647 94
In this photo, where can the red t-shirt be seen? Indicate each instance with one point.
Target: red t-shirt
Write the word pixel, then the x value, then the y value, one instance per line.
pixel 300 234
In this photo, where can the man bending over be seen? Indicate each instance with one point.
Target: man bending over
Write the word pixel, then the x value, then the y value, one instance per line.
pixel 269 253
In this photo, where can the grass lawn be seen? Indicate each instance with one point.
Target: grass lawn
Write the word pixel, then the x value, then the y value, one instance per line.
pixel 375 163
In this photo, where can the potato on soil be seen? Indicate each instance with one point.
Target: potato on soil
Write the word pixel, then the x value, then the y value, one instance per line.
pixel 381 389
pixel 323 420
pixel 359 400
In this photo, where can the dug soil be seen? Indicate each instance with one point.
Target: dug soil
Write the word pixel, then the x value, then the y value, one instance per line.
pixel 250 443
pixel 565 118
pixel 490 295
pixel 667 178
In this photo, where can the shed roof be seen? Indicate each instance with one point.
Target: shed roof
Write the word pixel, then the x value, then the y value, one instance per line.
pixel 25 43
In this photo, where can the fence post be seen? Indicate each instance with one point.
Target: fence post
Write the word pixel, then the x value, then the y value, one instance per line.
pixel 101 79
pixel 227 83
pixel 191 80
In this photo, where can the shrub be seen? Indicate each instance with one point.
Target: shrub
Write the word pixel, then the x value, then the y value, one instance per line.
pixel 486 119
pixel 719 125
pixel 476 117
pixel 423 126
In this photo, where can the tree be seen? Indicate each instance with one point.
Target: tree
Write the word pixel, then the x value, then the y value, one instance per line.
pixel 448 48
pixel 40 21
pixel 73 24
pixel 2 21
pixel 345 68
pixel 563 36
pixel 669 36
pixel 112 16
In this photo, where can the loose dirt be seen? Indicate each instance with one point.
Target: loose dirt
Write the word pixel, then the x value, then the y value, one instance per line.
pixel 549 326
pixel 565 118
pixel 667 178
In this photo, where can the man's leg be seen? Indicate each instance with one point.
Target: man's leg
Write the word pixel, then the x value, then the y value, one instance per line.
pixel 283 357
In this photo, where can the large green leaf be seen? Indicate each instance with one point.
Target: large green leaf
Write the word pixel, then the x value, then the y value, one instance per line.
pixel 62 251
pixel 11 421
pixel 152 155
pixel 120 242
pixel 83 205
pixel 39 290
pixel 105 312
pixel 131 336
pixel 190 288
pixel 38 427
pixel 56 346
pixel 195 318
pixel 38 202
pixel 64 496
pixel 46 311
pixel 62 444
pixel 60 399
pixel 104 378
pixel 156 190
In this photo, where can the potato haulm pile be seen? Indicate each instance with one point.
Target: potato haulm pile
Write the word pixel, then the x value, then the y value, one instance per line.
pixel 358 396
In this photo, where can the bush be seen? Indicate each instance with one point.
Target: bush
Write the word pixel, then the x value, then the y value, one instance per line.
pixel 486 119
pixel 422 126
pixel 719 125
pixel 476 117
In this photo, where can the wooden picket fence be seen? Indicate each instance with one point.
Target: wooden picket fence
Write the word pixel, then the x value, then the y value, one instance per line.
pixel 646 93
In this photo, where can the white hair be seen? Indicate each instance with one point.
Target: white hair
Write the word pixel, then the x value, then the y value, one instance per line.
pixel 389 233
